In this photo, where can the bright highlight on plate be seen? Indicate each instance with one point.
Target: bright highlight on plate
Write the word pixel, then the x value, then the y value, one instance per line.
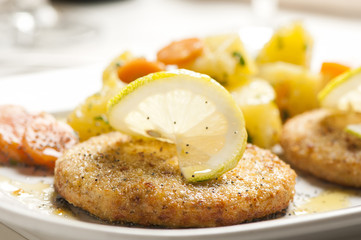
pixel 343 92
pixel 188 109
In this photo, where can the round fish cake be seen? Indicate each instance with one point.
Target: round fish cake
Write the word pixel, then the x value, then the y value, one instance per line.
pixel 317 143
pixel 118 178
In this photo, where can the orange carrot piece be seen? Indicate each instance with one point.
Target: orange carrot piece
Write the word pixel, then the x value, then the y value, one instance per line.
pixel 179 52
pixel 332 69
pixel 45 139
pixel 137 68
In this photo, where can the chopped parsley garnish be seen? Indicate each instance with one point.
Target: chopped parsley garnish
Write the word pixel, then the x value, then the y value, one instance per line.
pixel 101 118
pixel 240 58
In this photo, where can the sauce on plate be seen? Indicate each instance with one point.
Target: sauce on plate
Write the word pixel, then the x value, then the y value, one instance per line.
pixel 42 196
pixel 327 200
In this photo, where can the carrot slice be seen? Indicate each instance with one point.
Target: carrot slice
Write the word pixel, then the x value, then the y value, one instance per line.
pixel 12 128
pixel 179 52
pixel 332 69
pixel 137 68
pixel 45 139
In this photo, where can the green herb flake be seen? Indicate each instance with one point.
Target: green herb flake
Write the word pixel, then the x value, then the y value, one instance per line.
pixel 90 106
pixel 305 46
pixel 240 58
pixel 119 64
pixel 101 118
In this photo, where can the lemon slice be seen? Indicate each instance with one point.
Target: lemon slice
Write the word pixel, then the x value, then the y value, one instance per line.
pixel 189 109
pixel 343 92
pixel 354 129
pixel 263 121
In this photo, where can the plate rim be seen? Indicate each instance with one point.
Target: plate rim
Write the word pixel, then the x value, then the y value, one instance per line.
pixel 31 219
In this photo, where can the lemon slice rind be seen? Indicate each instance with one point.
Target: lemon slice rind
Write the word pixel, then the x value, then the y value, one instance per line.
pixel 334 94
pixel 354 129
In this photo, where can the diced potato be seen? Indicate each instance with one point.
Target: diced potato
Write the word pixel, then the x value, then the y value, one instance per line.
pixel 224 59
pixel 89 118
pixel 263 121
pixel 296 87
pixel 290 43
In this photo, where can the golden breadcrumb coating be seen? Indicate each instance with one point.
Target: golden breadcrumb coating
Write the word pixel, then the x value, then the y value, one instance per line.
pixel 118 178
pixel 317 143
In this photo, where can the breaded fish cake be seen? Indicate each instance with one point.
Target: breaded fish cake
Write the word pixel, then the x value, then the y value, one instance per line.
pixel 117 178
pixel 317 143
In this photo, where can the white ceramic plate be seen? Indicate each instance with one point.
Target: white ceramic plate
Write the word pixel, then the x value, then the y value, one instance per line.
pixel 32 214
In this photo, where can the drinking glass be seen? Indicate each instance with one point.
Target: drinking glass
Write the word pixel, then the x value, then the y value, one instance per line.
pixel 36 23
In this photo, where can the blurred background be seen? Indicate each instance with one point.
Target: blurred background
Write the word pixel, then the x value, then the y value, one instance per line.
pixel 41 35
